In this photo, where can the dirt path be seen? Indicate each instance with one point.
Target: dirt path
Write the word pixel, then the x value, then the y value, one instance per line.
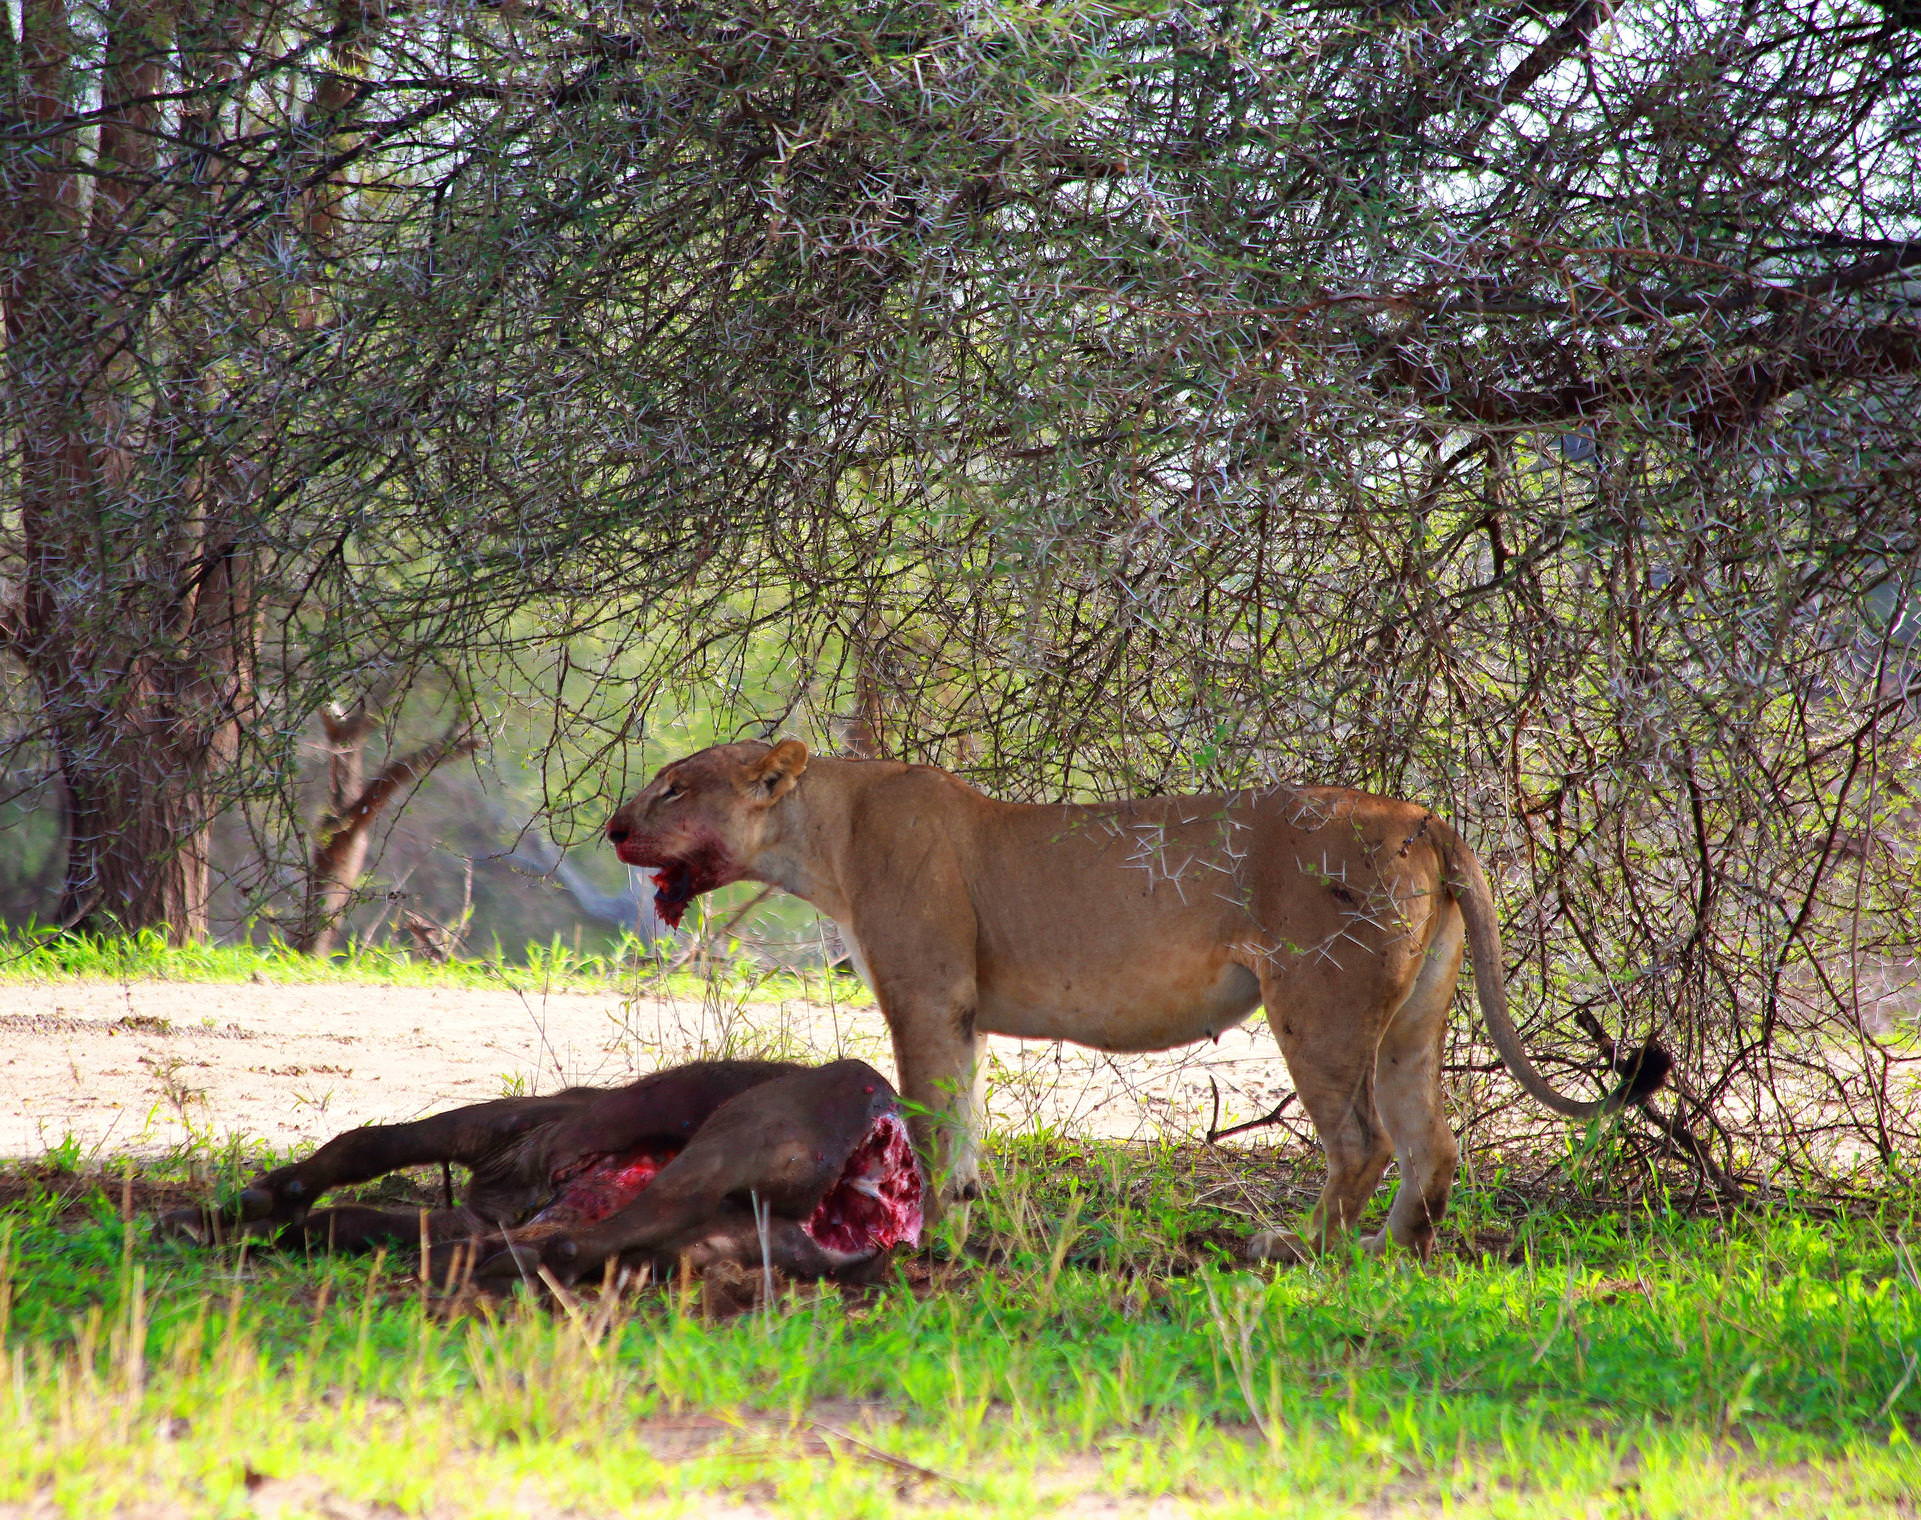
pixel 116 1067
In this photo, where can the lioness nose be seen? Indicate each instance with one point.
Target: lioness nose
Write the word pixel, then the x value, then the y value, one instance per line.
pixel 617 831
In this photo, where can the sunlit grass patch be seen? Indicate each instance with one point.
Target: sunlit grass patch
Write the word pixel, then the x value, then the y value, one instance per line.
pixel 1643 1363
pixel 629 965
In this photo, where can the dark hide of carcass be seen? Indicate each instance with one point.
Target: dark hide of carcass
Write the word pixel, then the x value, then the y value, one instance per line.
pixel 762 1163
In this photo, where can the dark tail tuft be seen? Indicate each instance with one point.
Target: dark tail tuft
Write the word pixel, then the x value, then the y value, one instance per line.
pixel 1642 1072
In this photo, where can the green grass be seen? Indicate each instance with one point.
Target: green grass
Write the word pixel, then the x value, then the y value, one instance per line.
pixel 1549 1365
pixel 26 955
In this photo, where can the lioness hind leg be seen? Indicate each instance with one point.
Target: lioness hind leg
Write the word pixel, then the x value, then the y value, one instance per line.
pixel 1331 1057
pixel 1408 1091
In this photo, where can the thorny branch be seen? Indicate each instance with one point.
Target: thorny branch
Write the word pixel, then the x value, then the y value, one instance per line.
pixel 1509 407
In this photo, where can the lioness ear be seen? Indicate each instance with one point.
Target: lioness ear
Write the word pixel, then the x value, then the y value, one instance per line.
pixel 779 769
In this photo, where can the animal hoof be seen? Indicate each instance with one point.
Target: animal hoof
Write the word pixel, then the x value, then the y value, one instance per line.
pixel 205 1226
pixel 450 1264
pixel 1283 1246
pixel 964 1190
pixel 190 1225
pixel 561 1257
pixel 516 1264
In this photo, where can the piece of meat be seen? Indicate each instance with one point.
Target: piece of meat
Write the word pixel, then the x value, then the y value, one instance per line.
pixel 810 1173
pixel 805 1169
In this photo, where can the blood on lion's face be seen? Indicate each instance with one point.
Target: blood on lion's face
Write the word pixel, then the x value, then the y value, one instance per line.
pixel 699 822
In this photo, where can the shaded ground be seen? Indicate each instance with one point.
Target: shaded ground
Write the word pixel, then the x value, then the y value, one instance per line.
pixel 1622 1363
pixel 1573 1360
pixel 99 1067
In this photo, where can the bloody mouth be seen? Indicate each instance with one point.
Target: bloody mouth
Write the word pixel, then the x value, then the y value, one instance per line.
pixel 878 1201
pixel 674 888
pixel 679 878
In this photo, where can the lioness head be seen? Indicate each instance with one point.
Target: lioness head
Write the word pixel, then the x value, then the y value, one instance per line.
pixel 701 820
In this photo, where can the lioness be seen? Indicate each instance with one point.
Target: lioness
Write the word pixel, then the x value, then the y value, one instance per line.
pixel 1132 925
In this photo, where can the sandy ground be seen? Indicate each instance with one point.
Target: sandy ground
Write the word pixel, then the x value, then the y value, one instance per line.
pixel 139 1067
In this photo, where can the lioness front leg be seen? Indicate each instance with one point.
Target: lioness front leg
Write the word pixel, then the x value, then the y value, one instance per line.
pixel 937 1055
pixel 923 971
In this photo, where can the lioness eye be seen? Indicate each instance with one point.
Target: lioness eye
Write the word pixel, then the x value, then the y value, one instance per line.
pixel 670 794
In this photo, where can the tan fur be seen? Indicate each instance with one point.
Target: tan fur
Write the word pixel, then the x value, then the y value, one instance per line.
pixel 1134 925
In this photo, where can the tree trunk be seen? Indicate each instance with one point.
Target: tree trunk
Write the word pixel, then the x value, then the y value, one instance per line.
pixel 137 841
pixel 143 691
pixel 344 832
pixel 136 565
pixel 133 617
pixel 863 736
pixel 144 717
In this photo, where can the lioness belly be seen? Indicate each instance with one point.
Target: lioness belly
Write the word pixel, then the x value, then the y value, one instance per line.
pixel 1140 1013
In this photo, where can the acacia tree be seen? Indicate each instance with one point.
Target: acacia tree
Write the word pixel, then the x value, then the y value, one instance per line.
pixel 217 223
pixel 1510 406
pixel 171 176
pixel 1506 404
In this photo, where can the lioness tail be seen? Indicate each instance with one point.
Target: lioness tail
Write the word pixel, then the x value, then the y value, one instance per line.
pixel 1642 1070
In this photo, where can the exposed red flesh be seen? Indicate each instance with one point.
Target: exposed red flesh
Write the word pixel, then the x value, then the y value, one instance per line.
pixel 597 1186
pixel 682 876
pixel 673 890
pixel 878 1201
